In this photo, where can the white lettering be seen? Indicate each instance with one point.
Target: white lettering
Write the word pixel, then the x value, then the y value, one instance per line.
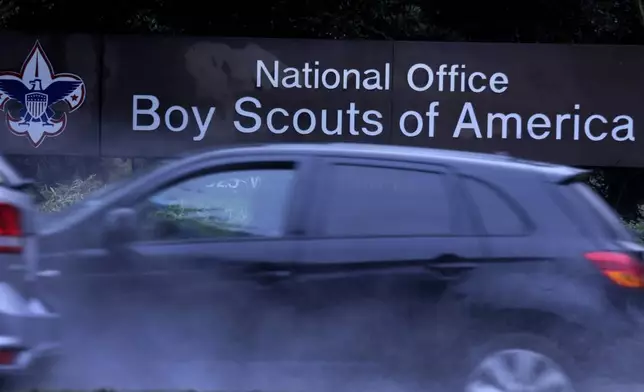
pixel 455 78
pixel 273 79
pixel 325 123
pixel 269 121
pixel 428 72
pixel 296 122
pixel 312 76
pixel 587 131
pixel 504 124
pixel 201 123
pixel 499 82
pixel 431 114
pixel 538 121
pixel 244 113
pixel 184 118
pixel 336 79
pixel 366 117
pixel 566 126
pixel 151 111
pixel 628 127
pixel 470 82
pixel 352 112
pixel 403 126
pixel 467 120
pixel 305 121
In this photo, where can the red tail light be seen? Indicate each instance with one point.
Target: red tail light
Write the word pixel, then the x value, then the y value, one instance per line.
pixel 621 268
pixel 8 356
pixel 10 229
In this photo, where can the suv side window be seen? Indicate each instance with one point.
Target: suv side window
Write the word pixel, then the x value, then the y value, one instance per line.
pixel 386 201
pixel 237 203
pixel 498 214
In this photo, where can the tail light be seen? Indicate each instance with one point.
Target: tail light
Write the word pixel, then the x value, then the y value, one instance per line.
pixel 621 268
pixel 8 356
pixel 10 229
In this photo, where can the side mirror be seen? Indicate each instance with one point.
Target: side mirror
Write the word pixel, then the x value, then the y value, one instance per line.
pixel 120 227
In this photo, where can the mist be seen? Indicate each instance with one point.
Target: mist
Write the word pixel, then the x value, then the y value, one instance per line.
pixel 375 344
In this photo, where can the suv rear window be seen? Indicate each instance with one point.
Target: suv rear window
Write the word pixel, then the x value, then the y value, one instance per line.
pixel 587 201
pixel 499 214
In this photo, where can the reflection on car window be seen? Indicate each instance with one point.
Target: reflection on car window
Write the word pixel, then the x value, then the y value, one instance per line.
pixel 225 204
pixel 377 201
pixel 498 215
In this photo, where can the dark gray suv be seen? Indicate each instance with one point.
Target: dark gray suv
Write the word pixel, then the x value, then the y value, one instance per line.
pixel 497 273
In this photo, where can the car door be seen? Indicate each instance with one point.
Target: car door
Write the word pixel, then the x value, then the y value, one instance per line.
pixel 162 294
pixel 382 246
pixel 217 232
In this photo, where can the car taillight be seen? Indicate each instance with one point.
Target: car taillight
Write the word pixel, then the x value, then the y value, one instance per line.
pixel 621 268
pixel 10 229
pixel 8 356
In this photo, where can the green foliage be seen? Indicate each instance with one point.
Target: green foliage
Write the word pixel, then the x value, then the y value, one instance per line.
pixel 587 21
pixel 63 195
pixel 637 227
pixel 199 221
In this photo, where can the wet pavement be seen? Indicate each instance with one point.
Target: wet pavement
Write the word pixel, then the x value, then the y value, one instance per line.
pixel 259 376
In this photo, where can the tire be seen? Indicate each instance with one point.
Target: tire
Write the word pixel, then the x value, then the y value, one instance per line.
pixel 507 352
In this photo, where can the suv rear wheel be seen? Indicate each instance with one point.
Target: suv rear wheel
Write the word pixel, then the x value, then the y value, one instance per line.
pixel 519 362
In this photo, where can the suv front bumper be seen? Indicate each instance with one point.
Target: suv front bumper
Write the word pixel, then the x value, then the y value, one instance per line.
pixel 29 333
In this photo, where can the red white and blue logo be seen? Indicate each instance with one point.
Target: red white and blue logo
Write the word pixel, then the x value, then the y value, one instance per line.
pixel 37 100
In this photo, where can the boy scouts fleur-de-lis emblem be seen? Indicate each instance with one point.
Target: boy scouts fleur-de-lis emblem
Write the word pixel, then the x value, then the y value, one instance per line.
pixel 36 101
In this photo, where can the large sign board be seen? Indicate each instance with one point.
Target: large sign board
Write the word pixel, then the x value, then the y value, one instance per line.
pixel 186 94
pixel 159 96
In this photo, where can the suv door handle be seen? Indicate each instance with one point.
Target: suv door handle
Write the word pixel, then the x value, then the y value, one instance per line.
pixel 270 276
pixel 277 274
pixel 48 274
pixel 446 259
pixel 449 266
pixel 16 267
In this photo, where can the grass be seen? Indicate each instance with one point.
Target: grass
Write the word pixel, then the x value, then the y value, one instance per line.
pixel 637 228
pixel 63 195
